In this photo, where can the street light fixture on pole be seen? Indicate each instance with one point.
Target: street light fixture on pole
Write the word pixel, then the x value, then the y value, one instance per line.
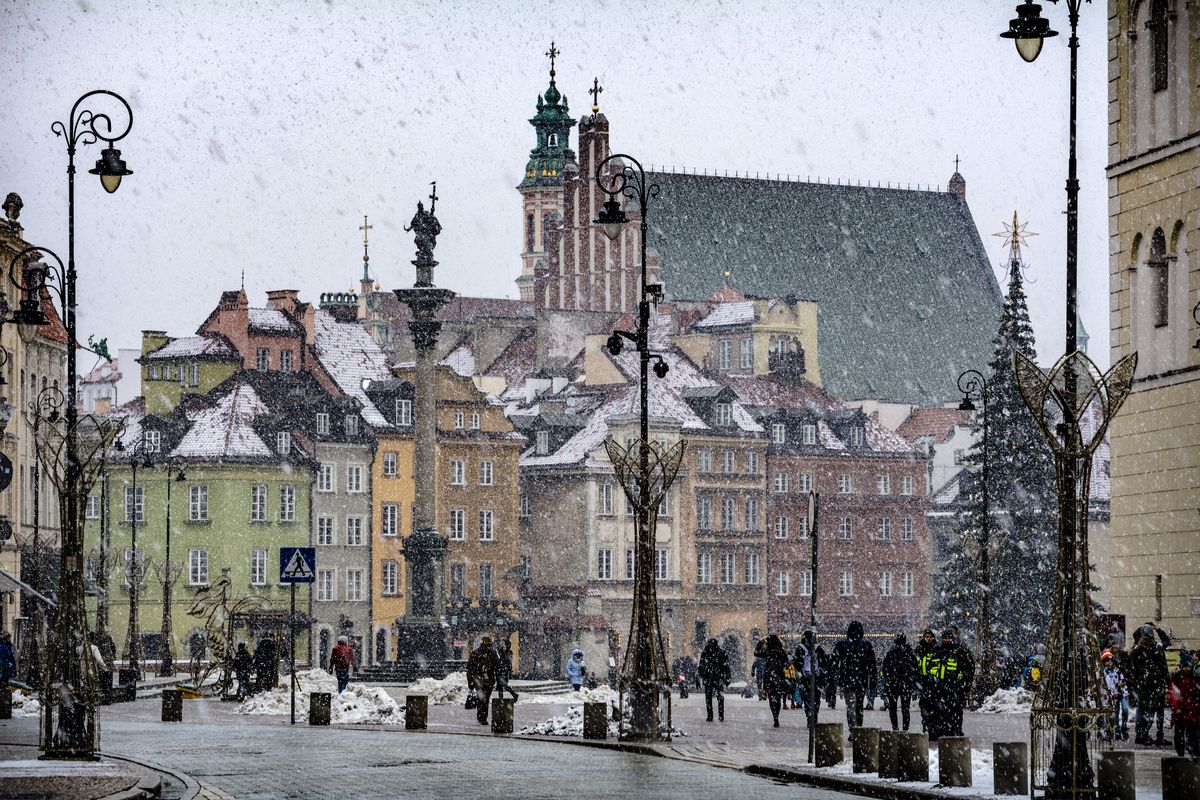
pixel 974 387
pixel 646 481
pixel 139 457
pixel 167 665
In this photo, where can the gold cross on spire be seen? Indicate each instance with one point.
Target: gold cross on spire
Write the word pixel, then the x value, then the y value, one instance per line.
pixel 1015 235
pixel 365 228
pixel 595 93
pixel 553 53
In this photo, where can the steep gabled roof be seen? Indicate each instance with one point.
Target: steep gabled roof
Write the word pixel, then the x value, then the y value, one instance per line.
pixel 349 355
pixel 208 346
pixel 937 423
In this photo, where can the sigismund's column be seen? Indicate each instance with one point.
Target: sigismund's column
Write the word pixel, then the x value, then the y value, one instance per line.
pixel 421 638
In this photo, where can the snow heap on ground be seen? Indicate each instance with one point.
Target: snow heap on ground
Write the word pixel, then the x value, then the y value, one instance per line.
pixel 443 691
pixel 1008 701
pixel 359 704
pixel 601 694
pixel 25 705
pixel 570 723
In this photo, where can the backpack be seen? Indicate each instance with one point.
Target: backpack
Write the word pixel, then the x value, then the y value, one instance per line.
pixel 1035 674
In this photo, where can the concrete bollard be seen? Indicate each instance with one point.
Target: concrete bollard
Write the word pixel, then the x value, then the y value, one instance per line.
pixel 320 708
pixel 829 744
pixel 1180 778
pixel 954 761
pixel 5 703
pixel 912 757
pixel 889 750
pixel 865 749
pixel 416 712
pixel 1010 770
pixel 595 720
pixel 1115 776
pixel 172 705
pixel 502 715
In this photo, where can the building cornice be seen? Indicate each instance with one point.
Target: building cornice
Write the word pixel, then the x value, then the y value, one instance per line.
pixel 1171 148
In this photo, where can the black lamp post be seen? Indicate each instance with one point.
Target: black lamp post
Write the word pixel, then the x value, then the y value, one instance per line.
pixel 167 666
pixel 974 387
pixel 139 458
pixel 645 665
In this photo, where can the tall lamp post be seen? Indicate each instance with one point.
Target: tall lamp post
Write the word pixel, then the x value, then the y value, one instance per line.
pixel 68 720
pixel 974 387
pixel 138 458
pixel 167 664
pixel 1070 705
pixel 645 669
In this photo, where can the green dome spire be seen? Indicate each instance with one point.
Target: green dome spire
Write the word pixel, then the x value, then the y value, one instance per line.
pixel 553 124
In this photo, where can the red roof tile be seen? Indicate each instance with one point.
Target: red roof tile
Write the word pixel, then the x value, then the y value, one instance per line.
pixel 936 422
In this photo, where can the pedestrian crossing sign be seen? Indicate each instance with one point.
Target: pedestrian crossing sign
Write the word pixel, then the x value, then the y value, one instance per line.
pixel 297 564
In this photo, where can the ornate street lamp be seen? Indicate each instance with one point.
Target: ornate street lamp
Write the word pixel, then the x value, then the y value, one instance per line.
pixel 974 387
pixel 167 665
pixel 1070 704
pixel 644 469
pixel 139 457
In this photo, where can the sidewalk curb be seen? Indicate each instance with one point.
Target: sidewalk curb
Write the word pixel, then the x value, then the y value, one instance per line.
pixel 882 791
pixel 191 787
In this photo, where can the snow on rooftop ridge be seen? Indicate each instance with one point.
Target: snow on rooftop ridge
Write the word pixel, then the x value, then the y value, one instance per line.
pixel 789 178
pixel 190 346
pixel 739 312
pixel 270 319
pixel 349 354
pixel 462 360
pixel 225 430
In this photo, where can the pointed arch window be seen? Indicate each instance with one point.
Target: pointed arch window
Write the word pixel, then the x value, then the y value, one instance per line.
pixel 1161 42
pixel 1160 277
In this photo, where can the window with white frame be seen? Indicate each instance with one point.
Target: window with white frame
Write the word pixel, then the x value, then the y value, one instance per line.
pixel 728 462
pixel 458 473
pixel 906 484
pixel 458 524
pixel 906 584
pixel 906 529
pixel 885 528
pixel 325 585
pixel 487 531
pixel 197 503
pixel 844 528
pixel 856 437
pixel 782 526
pixel 883 484
pixel 354 531
pixel 959 456
pixel 704 461
pixel 808 434
pixel 391 464
pixel 704 568
pixel 728 514
pixel 485 473
pixel 325 531
pixel 724 414
pixel 475 421
pixel 728 567
pixel 197 567
pixel 704 513
pixel 487 574
pixel 351 424
pixel 325 478
pixel 283 443
pixel 460 420
pixel 388 576
pixel 782 479
pixel 604 564
pixel 778 433
pixel 629 563
pixel 152 441
pixel 153 373
pixel 752 463
pixel 751 514
pixel 846 584
pixel 287 503
pixel 354 478
pixel 523 505
pixel 135 506
pixel 806 586
pixel 354 584
pixel 606 499
pixel 662 563
pixel 845 484
pixel 403 411
pixel 782 584
pixel 93 507
pixel 285 360
pixel 885 584
pixel 751 564
pixel 258 567
pixel 322 423
pixel 802 527
pixel 747 354
pixel 258 503
pixel 195 373
pixel 262 359
pixel 390 519
pixel 664 505
pixel 804 484
pixel 724 348
pixel 458 581
pixel 542 445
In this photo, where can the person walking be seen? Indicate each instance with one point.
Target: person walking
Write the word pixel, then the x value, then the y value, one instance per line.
pixel 775 661
pixel 758 670
pixel 714 674
pixel 504 670
pixel 900 673
pixel 482 668
pixel 1184 692
pixel 926 653
pixel 1147 678
pixel 952 685
pixel 576 669
pixel 266 664
pixel 806 662
pixel 856 671
pixel 1118 695
pixel 8 661
pixel 341 661
pixel 243 665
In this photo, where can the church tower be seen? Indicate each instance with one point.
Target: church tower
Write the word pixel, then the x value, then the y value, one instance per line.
pixel 542 188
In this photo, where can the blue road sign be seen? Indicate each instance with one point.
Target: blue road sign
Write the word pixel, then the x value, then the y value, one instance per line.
pixel 297 564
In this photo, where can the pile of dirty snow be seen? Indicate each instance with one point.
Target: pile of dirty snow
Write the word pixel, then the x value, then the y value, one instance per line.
pixel 1008 701
pixel 359 704
pixel 601 694
pixel 25 705
pixel 451 689
pixel 570 723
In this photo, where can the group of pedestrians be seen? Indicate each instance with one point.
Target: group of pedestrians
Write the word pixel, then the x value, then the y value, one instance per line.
pixel 1141 678
pixel 489 669
pixel 257 671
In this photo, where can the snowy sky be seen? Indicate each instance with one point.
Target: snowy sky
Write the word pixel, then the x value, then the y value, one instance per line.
pixel 264 131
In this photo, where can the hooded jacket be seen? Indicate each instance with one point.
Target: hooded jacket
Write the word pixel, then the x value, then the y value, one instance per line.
pixel 714 665
pixel 1185 698
pixel 900 669
pixel 576 670
pixel 855 658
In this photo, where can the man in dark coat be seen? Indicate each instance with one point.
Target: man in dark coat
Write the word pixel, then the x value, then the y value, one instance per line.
pixel 805 665
pixel 856 671
pixel 1147 676
pixel 900 679
pixel 504 670
pixel 926 653
pixel 952 685
pixel 482 667
pixel 714 674
pixel 8 661
pixel 775 661
pixel 266 665
pixel 242 665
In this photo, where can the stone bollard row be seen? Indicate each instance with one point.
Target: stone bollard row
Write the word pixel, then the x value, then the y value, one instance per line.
pixel 502 715
pixel 320 708
pixel 954 761
pixel 889 750
pixel 595 720
pixel 416 712
pixel 829 744
pixel 912 757
pixel 865 749
pixel 172 705
pixel 1114 775
pixel 1180 778
pixel 1010 767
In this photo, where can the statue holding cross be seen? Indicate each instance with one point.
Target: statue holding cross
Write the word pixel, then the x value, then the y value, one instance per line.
pixel 426 228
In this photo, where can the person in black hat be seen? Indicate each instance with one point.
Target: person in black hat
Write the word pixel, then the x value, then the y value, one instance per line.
pixel 900 679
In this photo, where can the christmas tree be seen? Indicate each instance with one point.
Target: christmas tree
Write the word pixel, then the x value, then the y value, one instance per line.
pixel 1021 512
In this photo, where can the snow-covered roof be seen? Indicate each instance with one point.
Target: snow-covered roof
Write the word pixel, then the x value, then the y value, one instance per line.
pixel 193 347
pixel 461 359
pixel 270 320
pixel 727 314
pixel 225 429
pixel 349 354
pixel 105 372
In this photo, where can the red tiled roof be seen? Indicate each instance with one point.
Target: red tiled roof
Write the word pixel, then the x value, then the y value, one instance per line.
pixel 936 422
pixel 54 330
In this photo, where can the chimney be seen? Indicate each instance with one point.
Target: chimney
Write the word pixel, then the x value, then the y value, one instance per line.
pixel 284 300
pixel 958 186
pixel 152 340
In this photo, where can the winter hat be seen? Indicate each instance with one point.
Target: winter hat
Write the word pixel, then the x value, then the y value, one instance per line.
pixel 486 641
pixel 1186 659
pixel 342 640
pixel 901 638
pixel 1106 655
pixel 927 631
pixel 950 633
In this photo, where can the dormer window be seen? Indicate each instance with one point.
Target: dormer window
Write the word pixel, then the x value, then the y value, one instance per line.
pixel 856 437
pixel 778 433
pixel 724 414
pixel 543 442
pixel 283 443
pixel 322 423
pixel 351 423
pixel 152 441
pixel 403 412
pixel 810 434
